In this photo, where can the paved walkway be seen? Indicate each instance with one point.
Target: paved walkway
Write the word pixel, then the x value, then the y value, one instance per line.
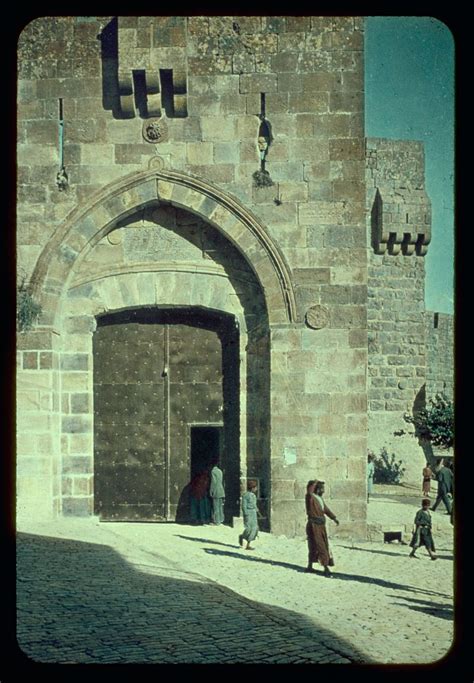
pixel 92 592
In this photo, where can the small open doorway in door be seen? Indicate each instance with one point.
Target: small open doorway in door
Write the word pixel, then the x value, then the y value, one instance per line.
pixel 206 447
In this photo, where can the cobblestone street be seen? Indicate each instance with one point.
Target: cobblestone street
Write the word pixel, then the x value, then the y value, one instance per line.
pixel 81 602
pixel 91 592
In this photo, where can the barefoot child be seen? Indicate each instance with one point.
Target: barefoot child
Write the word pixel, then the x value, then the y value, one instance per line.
pixel 422 534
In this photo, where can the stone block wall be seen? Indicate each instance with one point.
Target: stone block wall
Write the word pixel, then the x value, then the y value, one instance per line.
pixel 38 431
pixel 304 75
pixel 439 339
pixel 398 215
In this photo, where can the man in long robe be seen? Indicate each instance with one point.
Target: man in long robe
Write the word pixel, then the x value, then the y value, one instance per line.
pixel 445 485
pixel 370 475
pixel 318 543
pixel 217 493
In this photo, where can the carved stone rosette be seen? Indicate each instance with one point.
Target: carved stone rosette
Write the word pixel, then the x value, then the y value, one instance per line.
pixel 317 317
pixel 155 130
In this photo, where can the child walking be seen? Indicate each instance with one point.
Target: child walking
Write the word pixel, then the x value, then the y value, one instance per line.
pixel 422 534
pixel 249 510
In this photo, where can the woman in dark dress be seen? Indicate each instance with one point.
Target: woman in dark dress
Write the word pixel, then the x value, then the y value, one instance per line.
pixel 200 503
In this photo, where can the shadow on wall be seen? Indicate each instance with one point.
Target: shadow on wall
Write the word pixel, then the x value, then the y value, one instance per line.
pixel 82 602
pixel 183 512
pixel 419 404
pixel 109 55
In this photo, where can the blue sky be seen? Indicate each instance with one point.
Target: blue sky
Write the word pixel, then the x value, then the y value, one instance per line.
pixel 409 82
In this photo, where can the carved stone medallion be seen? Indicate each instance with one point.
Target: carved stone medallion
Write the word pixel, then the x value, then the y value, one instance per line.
pixel 114 237
pixel 317 316
pixel 155 130
pixel 158 163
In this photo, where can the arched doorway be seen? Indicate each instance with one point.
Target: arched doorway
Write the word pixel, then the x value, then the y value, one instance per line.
pixel 174 326
pixel 230 266
pixel 166 404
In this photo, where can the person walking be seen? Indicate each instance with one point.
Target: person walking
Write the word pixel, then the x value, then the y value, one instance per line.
pixel 422 534
pixel 318 543
pixel 451 467
pixel 249 511
pixel 445 486
pixel 370 474
pixel 427 477
pixel 217 493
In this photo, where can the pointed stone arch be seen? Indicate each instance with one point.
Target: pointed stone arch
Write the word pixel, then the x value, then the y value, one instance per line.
pixel 86 225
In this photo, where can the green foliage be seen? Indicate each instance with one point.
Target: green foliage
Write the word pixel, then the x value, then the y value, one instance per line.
pixel 27 309
pixel 435 423
pixel 387 469
pixel 262 179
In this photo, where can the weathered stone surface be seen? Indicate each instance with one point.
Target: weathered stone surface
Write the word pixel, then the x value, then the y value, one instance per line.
pixel 258 83
pixel 308 102
pixel 77 507
pixel 74 425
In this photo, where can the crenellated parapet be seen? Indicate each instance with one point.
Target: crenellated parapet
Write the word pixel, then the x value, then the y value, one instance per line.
pixel 399 208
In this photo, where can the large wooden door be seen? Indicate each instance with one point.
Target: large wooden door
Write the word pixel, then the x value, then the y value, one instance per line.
pixel 129 446
pixel 155 376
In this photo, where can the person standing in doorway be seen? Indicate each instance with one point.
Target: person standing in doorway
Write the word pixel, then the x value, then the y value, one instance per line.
pixel 200 504
pixel 249 511
pixel 217 493
pixel 318 543
pixel 370 474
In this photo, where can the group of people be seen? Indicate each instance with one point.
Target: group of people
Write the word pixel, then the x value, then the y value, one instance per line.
pixel 316 534
pixel 207 496
pixel 316 510
pixel 422 534
pixel 205 507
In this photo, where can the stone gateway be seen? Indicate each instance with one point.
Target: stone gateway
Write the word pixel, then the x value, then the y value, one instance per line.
pixel 191 311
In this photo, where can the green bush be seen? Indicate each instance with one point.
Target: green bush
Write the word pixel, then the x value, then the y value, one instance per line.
pixel 435 423
pixel 387 469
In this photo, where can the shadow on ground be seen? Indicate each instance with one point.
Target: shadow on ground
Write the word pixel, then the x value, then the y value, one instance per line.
pixel 394 553
pixel 81 602
pixel 432 609
pixel 206 540
pixel 356 578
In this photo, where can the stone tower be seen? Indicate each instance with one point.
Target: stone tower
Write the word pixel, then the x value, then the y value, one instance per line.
pixel 398 233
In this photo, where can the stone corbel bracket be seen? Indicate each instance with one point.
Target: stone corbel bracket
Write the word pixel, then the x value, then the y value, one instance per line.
pixel 401 222
pixel 180 101
pixel 126 95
